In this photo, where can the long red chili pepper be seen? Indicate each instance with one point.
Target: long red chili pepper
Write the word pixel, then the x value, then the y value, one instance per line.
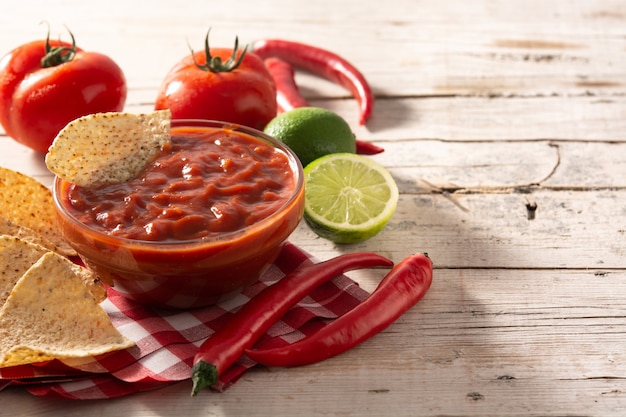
pixel 322 63
pixel 287 93
pixel 255 317
pixel 399 290
pixel 288 97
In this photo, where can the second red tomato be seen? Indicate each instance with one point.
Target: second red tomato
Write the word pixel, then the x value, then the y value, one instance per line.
pixel 218 84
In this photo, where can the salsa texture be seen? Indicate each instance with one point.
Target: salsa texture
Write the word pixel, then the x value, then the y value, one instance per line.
pixel 206 183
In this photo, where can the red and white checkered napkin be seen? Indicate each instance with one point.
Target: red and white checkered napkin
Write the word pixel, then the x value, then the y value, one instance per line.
pixel 166 341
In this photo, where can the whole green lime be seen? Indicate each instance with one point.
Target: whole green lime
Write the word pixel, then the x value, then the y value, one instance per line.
pixel 312 132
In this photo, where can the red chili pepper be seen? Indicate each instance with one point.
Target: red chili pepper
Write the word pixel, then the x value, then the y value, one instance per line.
pixel 364 147
pixel 288 97
pixel 399 290
pixel 255 317
pixel 322 63
pixel 287 93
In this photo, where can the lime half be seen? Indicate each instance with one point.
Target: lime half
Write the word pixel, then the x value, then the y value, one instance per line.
pixel 349 198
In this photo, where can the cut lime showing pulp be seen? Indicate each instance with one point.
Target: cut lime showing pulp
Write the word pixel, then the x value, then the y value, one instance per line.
pixel 349 198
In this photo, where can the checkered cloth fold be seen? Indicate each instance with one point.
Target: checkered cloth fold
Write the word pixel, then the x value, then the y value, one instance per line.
pixel 166 340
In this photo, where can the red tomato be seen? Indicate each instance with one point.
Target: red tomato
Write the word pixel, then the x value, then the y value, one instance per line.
pixel 230 89
pixel 36 101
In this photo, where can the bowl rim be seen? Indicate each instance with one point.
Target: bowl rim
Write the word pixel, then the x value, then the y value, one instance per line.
pixel 294 163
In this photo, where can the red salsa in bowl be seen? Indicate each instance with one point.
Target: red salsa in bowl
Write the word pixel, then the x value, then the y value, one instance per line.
pixel 204 219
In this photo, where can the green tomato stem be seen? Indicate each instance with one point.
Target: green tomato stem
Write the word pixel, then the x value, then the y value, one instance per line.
pixel 215 64
pixel 58 55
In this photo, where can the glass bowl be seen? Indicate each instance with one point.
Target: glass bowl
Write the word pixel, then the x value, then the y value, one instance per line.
pixel 187 273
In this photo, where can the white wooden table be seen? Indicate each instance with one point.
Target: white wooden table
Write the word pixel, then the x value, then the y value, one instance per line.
pixel 484 108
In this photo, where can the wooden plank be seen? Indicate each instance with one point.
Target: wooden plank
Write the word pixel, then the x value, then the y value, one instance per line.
pixel 585 118
pixel 467 206
pixel 424 166
pixel 478 119
pixel 474 118
pixel 20 158
pixel 607 167
pixel 483 343
pixel 569 230
pixel 427 166
pixel 492 50
pixel 483 108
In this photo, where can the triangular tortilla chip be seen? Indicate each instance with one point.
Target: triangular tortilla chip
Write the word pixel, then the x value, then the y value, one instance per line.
pixel 8 227
pixel 49 315
pixel 108 148
pixel 18 255
pixel 28 203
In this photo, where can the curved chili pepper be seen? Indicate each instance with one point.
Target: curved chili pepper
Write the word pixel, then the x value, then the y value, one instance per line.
pixel 287 93
pixel 322 63
pixel 254 318
pixel 399 290
pixel 288 97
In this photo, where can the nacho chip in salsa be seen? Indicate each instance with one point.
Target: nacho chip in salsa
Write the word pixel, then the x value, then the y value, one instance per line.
pixel 108 148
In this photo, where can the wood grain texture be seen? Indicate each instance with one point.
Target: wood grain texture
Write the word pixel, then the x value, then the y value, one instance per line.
pixel 504 125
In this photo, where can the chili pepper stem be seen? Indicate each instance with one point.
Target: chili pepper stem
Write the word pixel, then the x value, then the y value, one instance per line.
pixel 254 318
pixel 203 375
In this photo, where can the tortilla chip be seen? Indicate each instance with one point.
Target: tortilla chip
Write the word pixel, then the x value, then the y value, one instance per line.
pixel 18 255
pixel 28 203
pixel 49 315
pixel 7 227
pixel 91 282
pixel 108 148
